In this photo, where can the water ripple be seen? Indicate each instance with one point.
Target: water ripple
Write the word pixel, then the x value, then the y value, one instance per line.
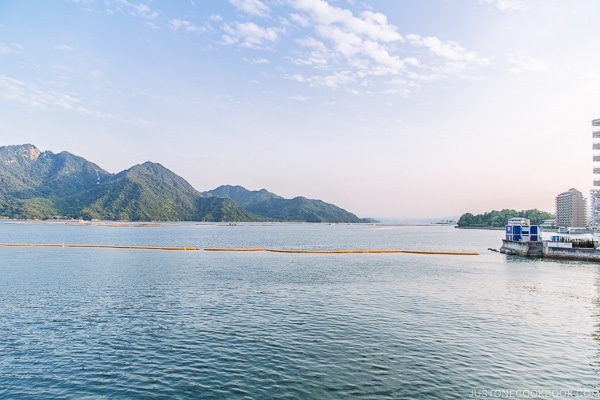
pixel 98 324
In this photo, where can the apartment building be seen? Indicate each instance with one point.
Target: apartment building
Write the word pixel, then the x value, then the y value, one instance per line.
pixel 570 209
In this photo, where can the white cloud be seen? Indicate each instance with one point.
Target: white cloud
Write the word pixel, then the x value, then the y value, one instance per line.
pixel 372 25
pixel 139 9
pixel 366 43
pixel 525 62
pixel 332 81
pixel 506 5
pixel 299 19
pixel 344 47
pixel 258 61
pixel 449 50
pixel 177 24
pixel 443 59
pixel 252 7
pixel 250 35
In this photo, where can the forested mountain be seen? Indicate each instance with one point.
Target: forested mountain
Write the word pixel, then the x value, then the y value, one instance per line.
pixel 242 196
pixel 40 185
pixel 150 192
pixel 269 205
pixel 26 172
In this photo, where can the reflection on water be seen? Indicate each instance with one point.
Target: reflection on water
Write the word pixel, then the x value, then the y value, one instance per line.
pixel 133 324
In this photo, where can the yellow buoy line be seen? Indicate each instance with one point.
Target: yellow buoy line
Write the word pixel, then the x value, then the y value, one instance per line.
pixel 235 249
pixel 97 246
pixel 242 249
pixel 346 251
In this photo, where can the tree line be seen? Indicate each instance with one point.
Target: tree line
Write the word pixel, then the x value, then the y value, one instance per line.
pixel 498 219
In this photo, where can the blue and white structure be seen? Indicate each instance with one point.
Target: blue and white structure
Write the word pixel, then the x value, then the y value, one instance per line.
pixel 522 238
pixel 521 230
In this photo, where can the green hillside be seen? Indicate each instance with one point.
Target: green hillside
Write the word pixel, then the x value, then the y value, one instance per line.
pixel 41 185
pixel 269 205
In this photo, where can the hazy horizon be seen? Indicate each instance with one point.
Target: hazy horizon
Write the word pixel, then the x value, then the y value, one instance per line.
pixel 388 109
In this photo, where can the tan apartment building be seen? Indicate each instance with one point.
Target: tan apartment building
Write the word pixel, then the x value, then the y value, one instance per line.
pixel 570 209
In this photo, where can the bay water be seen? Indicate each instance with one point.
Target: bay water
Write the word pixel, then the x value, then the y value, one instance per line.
pixel 79 323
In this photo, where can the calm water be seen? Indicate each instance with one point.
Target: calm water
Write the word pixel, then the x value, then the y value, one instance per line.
pixel 101 323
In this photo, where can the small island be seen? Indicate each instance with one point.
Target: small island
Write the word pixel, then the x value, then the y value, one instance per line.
pixel 498 219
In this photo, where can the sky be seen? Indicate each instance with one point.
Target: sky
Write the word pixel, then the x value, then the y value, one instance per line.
pixel 386 108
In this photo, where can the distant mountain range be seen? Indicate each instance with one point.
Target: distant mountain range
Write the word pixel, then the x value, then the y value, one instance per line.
pixel 42 185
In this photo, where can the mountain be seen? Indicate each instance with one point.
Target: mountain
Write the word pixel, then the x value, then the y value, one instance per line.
pixel 151 192
pixel 243 197
pixel 269 205
pixel 43 185
pixel 25 171
pixel 40 185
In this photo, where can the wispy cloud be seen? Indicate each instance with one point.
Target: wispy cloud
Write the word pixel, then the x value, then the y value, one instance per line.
pixel 258 61
pixel 359 48
pixel 346 47
pixel 138 9
pixel 524 62
pixel 330 45
pixel 64 48
pixel 252 7
pixel 449 50
pixel 17 91
pixel 506 5
pixel 250 35
pixel 10 48
pixel 177 24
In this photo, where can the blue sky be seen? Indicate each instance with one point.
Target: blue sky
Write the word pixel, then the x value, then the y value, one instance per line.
pixel 387 108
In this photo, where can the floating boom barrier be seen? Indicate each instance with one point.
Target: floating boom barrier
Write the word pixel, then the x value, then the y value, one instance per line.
pixel 346 251
pixel 98 246
pixel 235 249
pixel 243 249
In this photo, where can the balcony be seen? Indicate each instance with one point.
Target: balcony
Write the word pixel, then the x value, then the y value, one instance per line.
pixel 596 122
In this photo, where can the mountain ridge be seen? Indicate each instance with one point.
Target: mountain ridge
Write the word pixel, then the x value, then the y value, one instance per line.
pixel 269 205
pixel 42 185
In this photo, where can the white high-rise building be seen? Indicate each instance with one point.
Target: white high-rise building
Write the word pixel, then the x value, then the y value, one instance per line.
pixel 595 193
